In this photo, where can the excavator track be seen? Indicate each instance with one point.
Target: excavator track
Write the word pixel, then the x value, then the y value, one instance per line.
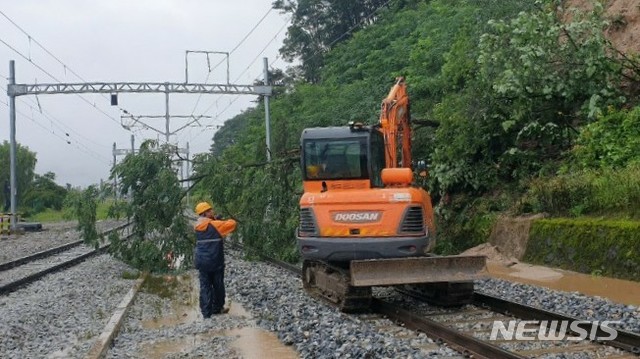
pixel 444 294
pixel 333 284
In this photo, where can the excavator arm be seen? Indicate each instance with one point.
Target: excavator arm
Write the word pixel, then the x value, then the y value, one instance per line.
pixel 395 125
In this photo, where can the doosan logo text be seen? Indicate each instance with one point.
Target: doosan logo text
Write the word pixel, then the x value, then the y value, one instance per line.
pixel 356 216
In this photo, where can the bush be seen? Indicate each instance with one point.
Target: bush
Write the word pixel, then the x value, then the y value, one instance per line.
pixel 594 192
pixel 465 223
pixel 612 141
pixel 587 245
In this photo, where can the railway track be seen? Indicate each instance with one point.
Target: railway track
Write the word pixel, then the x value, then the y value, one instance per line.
pixel 25 270
pixel 468 329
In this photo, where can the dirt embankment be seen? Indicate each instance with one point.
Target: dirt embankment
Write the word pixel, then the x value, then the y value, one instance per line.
pixel 508 240
pixel 624 18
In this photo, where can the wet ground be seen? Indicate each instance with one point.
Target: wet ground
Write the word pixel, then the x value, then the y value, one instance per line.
pixel 248 342
pixel 617 290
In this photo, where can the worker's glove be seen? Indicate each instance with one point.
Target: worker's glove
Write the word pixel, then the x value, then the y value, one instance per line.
pixel 217 217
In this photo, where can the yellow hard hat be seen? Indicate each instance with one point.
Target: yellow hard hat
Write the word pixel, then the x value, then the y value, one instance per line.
pixel 202 207
pixel 313 171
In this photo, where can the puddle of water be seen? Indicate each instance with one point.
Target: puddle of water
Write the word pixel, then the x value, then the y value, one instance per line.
pixel 184 310
pixel 181 315
pixel 238 311
pixel 256 343
pixel 249 342
pixel 161 349
pixel 617 290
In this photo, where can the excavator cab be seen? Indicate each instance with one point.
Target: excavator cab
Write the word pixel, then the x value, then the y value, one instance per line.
pixel 349 209
pixel 337 153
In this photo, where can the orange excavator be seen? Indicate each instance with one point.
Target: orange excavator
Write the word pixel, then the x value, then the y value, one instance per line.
pixel 362 221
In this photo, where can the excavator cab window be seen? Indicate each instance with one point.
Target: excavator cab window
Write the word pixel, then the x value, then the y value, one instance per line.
pixel 336 159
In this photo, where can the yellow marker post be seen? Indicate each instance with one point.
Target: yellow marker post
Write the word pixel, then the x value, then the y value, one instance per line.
pixel 5 225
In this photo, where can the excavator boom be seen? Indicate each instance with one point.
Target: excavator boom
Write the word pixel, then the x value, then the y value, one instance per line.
pixel 395 123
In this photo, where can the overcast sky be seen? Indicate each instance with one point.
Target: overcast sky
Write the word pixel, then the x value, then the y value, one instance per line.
pixel 127 41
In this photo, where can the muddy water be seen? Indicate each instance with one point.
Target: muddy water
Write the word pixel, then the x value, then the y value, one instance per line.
pixel 617 290
pixel 249 342
pixel 255 343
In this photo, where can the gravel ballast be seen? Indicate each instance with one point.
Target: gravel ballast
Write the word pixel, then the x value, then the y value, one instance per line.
pixel 62 314
pixel 53 235
pixel 171 326
pixel 279 304
pixel 570 303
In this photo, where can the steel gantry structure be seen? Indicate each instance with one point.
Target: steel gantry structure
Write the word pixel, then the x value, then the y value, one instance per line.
pixel 14 90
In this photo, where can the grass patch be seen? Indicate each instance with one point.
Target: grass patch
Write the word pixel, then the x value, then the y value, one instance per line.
pixel 50 215
pixel 604 192
pixel 162 286
pixel 130 275
pixel 47 216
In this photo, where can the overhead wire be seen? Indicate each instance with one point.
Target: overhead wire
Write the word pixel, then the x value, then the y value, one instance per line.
pixel 231 52
pixel 65 66
pixel 57 123
pixel 312 56
pixel 56 79
pixel 231 102
pixel 61 125
pixel 65 129
pixel 67 141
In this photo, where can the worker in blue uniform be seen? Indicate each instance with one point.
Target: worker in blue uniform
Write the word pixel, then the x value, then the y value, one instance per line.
pixel 209 258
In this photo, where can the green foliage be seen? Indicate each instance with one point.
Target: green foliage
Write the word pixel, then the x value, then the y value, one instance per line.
pixel 588 246
pixel 84 204
pixel 130 275
pixel 551 68
pixel 464 158
pixel 613 140
pixel 45 193
pixel 155 210
pixel 535 77
pixel 588 192
pixel 318 26
pixel 68 211
pixel 464 223
pixel 48 216
pixel 261 197
pixel 25 165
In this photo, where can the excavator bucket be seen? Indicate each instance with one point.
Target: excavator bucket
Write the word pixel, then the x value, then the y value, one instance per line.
pixel 416 270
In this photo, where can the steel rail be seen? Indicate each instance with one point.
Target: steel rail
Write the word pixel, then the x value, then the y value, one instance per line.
pixel 12 286
pixel 469 345
pixel 463 343
pixel 625 340
pixel 51 251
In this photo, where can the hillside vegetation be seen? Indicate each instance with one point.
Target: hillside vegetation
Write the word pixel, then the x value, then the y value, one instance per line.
pixel 518 106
